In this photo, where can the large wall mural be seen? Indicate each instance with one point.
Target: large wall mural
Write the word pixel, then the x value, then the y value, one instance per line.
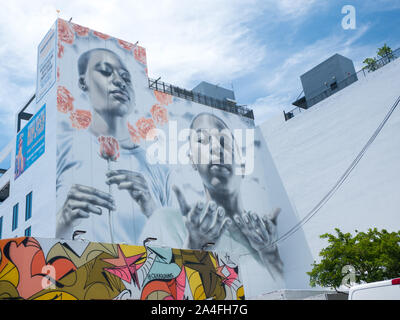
pixel 50 269
pixel 134 163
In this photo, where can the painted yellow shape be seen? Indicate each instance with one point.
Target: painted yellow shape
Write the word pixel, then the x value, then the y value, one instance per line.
pixel 130 251
pixel 10 273
pixel 92 251
pixel 56 295
pixel 195 284
pixel 240 293
pixel 213 260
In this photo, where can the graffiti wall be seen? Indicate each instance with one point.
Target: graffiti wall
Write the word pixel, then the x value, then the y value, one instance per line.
pixel 134 163
pixel 50 269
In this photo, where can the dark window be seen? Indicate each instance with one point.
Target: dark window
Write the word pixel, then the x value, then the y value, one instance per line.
pixel 333 85
pixel 28 206
pixel 28 232
pixel 5 192
pixel 1 226
pixel 15 217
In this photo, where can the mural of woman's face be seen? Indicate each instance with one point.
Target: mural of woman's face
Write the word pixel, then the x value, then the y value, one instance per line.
pixel 108 84
pixel 212 149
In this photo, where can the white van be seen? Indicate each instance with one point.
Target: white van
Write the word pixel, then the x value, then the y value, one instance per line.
pixel 381 290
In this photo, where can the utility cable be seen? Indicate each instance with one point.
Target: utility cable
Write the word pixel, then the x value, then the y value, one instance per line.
pixel 341 180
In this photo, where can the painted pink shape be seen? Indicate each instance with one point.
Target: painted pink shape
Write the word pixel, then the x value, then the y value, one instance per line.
pixel 125 267
pixel 227 279
pixel 21 256
pixel 180 284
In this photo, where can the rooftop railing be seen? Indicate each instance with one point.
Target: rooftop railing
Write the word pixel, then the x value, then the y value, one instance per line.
pixel 224 105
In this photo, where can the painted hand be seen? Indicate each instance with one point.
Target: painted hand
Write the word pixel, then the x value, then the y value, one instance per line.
pixel 261 234
pixel 136 185
pixel 205 222
pixel 81 201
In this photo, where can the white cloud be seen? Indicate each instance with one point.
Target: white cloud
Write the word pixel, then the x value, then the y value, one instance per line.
pixel 186 41
pixel 295 8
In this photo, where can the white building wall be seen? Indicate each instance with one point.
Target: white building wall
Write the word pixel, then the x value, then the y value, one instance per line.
pixel 39 179
pixel 313 149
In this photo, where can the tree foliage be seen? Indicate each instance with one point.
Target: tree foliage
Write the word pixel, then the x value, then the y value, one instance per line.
pixel 374 255
pixel 385 52
pixel 371 64
pixel 385 55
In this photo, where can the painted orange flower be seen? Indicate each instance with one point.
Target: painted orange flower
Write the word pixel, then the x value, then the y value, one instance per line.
pixel 163 98
pixel 145 128
pixel 140 54
pixel 65 33
pixel 109 148
pixel 80 31
pixel 60 50
pixel 101 35
pixel 126 45
pixel 135 136
pixel 80 119
pixel 64 100
pixel 159 114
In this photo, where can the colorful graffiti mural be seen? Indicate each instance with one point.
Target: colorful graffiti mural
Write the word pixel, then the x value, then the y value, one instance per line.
pixel 51 269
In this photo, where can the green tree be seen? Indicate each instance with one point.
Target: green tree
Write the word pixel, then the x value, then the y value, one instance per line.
pixel 374 256
pixel 385 52
pixel 370 64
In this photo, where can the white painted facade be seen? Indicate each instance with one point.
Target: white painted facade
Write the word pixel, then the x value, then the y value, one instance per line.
pixel 38 179
pixel 313 149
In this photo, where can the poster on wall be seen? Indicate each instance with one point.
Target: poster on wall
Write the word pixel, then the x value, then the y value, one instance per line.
pixel 135 164
pixel 30 143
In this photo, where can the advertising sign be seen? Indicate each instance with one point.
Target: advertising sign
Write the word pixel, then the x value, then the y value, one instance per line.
pixel 30 142
pixel 46 64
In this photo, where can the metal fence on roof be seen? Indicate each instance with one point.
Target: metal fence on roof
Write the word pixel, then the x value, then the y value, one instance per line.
pixel 224 105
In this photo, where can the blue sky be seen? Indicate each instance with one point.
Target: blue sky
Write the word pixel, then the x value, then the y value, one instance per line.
pixel 260 48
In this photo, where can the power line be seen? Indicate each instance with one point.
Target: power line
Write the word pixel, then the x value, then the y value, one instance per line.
pixel 342 179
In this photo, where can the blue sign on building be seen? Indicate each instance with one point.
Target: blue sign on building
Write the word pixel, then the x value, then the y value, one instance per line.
pixel 30 142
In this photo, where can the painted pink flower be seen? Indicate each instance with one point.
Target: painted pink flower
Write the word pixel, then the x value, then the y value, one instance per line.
pixel 140 54
pixel 80 119
pixel 135 136
pixel 64 100
pixel 159 114
pixel 80 31
pixel 60 50
pixel 109 148
pixel 101 35
pixel 163 98
pixel 58 74
pixel 145 128
pixel 126 45
pixel 65 33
